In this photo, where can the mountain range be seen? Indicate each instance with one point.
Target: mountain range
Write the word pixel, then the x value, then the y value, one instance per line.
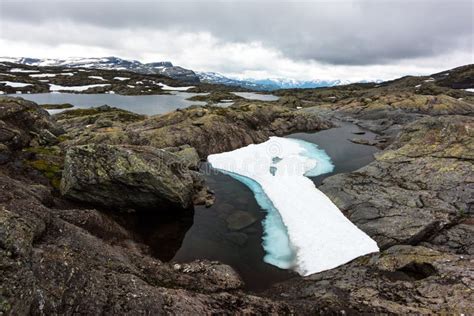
pixel 166 68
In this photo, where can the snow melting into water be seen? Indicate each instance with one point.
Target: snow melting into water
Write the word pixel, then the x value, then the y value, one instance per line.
pixel 304 230
pixel 54 87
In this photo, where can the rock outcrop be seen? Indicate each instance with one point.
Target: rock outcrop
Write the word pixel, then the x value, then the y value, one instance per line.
pixel 208 129
pixel 24 123
pixel 421 184
pixel 416 201
pixel 212 129
pixel 137 177
pixel 58 257
pixel 67 261
pixel 399 280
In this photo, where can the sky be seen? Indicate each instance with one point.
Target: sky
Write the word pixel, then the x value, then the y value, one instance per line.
pixel 306 40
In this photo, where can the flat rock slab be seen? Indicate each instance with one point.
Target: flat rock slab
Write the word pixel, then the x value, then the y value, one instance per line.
pixel 239 220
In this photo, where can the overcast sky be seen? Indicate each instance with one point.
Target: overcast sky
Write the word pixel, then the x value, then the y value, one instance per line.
pixel 337 39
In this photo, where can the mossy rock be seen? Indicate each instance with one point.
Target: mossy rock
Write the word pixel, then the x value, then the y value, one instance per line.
pixel 56 106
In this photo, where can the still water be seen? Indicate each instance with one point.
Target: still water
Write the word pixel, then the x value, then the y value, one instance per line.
pixel 211 237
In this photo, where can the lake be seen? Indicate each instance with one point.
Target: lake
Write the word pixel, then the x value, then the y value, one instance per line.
pixel 257 96
pixel 141 104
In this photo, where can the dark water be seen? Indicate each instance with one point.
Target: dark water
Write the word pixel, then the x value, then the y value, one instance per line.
pixel 345 155
pixel 210 237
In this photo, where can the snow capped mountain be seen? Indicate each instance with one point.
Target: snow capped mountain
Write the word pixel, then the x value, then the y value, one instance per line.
pixel 268 84
pixel 165 68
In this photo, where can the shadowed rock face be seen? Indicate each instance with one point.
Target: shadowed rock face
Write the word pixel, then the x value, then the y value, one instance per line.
pixel 126 177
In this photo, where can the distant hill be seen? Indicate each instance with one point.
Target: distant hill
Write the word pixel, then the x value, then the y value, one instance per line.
pixel 166 68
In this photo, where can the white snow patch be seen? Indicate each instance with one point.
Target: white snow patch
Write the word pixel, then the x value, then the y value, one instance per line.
pixel 22 70
pixel 43 76
pixel 15 84
pixel 18 92
pixel 130 86
pixel 417 86
pixel 470 90
pixel 97 77
pixel 67 74
pixel 121 78
pixel 320 235
pixel 54 87
pixel 166 87
pixel 2 92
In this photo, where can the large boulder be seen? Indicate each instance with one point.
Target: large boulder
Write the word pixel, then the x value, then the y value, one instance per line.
pixel 127 177
pixel 23 123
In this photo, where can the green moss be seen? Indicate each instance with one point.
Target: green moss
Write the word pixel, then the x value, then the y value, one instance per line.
pixel 56 106
pixel 63 138
pixel 47 160
pixel 44 150
pixel 5 306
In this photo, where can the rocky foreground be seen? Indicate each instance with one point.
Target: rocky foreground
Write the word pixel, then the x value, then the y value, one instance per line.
pixel 67 182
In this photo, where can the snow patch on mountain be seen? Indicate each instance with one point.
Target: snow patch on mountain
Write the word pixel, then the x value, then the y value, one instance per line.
pixel 270 83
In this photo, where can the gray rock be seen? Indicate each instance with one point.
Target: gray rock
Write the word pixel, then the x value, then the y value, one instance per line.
pixel 239 220
pixel 126 177
pixel 237 238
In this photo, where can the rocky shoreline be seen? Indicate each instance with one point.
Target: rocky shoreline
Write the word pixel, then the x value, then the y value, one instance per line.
pixel 65 181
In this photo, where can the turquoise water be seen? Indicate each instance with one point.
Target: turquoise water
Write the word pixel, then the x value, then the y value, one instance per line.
pixel 275 241
pixel 312 151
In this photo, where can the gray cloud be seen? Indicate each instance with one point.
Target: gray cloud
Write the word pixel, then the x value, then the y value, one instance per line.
pixel 336 33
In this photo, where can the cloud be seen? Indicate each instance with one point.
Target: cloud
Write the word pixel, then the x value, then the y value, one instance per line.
pixel 258 38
